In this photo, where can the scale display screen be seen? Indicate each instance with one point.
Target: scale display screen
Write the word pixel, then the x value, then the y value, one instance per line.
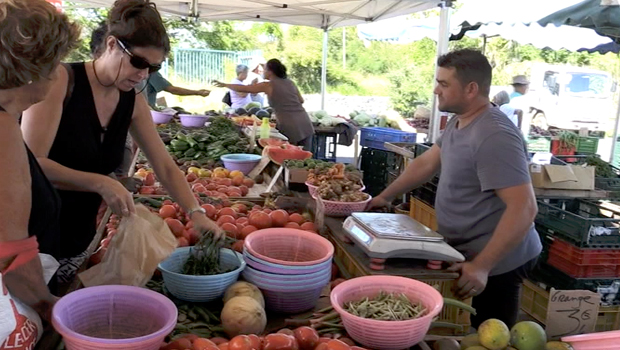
pixel 360 234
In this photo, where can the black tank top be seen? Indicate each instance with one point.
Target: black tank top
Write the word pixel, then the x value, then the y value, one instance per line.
pixel 44 209
pixel 78 145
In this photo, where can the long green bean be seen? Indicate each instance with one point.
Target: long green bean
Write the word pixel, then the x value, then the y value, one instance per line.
pixel 386 307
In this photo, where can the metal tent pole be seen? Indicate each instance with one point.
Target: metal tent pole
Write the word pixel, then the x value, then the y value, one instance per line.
pixel 442 48
pixel 324 69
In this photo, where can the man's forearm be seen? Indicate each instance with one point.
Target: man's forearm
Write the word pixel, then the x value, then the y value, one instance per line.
pixel 179 91
pixel 510 231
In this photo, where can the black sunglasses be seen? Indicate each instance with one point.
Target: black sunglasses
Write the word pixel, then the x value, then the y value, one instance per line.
pixel 137 61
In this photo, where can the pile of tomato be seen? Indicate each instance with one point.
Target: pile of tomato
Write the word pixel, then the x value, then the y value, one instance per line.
pixel 302 338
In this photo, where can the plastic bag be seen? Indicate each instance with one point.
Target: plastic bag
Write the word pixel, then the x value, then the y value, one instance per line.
pixel 20 325
pixel 142 242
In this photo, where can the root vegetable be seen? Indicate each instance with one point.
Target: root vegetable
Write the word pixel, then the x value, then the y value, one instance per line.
pixel 243 315
pixel 244 289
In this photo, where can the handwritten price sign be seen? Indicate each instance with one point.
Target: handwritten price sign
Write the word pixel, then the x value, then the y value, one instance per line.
pixel 571 312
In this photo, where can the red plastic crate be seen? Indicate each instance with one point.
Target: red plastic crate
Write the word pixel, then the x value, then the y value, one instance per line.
pixel 585 256
pixel 583 271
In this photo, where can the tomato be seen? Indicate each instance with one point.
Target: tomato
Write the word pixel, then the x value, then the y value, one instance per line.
pixel 175 226
pixel 247 230
pixel 147 190
pixel 240 342
pixel 218 340
pixel 335 344
pixel 204 344
pixel 297 218
pixel 167 211
pixel 347 341
pixel 260 220
pixel 292 225
pixel 279 217
pixel 182 242
pixel 210 210
pixel 167 202
pixel 244 190
pixel 243 221
pixel 307 338
pixel 286 331
pixel 223 346
pixel 321 346
pixel 324 340
pixel 225 219
pixel 191 177
pixel 248 182
pixel 179 344
pixel 308 226
pixel 228 211
pixel 149 180
pixel 237 181
pixel 230 229
pixel 238 246
pixel 257 207
pixel 188 336
pixel 279 341
pixel 257 343
pixel 240 207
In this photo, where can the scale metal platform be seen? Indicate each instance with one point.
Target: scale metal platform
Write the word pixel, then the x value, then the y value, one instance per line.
pixel 383 236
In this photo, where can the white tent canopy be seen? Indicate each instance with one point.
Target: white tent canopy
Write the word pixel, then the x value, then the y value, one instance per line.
pixel 324 14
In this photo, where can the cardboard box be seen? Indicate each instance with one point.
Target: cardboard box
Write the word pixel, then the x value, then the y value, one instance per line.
pixel 296 175
pixel 562 177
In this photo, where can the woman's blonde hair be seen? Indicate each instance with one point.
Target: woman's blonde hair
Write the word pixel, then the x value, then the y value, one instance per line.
pixel 34 37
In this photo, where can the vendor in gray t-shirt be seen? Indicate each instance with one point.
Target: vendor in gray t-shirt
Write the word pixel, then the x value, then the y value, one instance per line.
pixel 485 201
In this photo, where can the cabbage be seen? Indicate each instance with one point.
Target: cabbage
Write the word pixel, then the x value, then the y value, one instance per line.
pixel 331 121
pixel 251 105
pixel 382 121
pixel 362 119
pixel 313 118
pixel 321 114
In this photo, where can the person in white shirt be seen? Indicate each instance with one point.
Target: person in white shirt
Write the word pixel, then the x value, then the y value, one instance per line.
pixel 240 99
pixel 502 100
pixel 256 77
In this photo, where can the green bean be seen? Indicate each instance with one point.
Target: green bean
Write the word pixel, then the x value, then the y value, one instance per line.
pixel 386 306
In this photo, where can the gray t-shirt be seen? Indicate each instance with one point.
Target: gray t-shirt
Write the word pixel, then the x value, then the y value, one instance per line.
pixel 487 155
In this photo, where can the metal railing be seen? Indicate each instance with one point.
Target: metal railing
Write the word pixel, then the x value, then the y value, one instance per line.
pixel 202 66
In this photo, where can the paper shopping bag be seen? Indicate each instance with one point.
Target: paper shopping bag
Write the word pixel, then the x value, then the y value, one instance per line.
pixel 143 241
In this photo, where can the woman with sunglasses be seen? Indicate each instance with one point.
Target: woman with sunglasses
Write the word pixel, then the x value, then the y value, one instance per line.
pixel 29 65
pixel 81 141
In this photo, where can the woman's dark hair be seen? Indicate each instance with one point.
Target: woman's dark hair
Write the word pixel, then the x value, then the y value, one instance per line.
pixel 276 67
pixel 137 23
pixel 97 37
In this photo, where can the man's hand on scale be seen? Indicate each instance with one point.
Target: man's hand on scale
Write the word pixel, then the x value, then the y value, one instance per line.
pixel 473 279
pixel 378 203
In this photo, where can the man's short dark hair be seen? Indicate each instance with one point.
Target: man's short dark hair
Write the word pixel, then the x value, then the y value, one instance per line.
pixel 470 66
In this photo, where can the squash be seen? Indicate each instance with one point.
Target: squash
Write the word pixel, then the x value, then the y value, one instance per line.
pixel 241 289
pixel 243 315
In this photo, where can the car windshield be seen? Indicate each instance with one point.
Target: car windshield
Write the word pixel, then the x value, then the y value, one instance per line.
pixel 588 85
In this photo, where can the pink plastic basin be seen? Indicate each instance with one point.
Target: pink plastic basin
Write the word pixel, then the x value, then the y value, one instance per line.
pixel 595 341
pixel 386 335
pixel 114 317
pixel 289 246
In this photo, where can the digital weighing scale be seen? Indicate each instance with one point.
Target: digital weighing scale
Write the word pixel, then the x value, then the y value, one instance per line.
pixel 383 236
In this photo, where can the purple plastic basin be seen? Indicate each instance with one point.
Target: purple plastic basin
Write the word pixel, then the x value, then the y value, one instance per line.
pixel 193 121
pixel 160 117
pixel 241 161
pixel 114 317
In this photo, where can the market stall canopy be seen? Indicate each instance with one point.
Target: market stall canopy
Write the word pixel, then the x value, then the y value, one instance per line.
pixel 603 16
pixel 325 14
pixel 603 49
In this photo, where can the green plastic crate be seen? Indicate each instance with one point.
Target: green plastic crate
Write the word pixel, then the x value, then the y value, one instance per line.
pixel 540 144
pixel 587 145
